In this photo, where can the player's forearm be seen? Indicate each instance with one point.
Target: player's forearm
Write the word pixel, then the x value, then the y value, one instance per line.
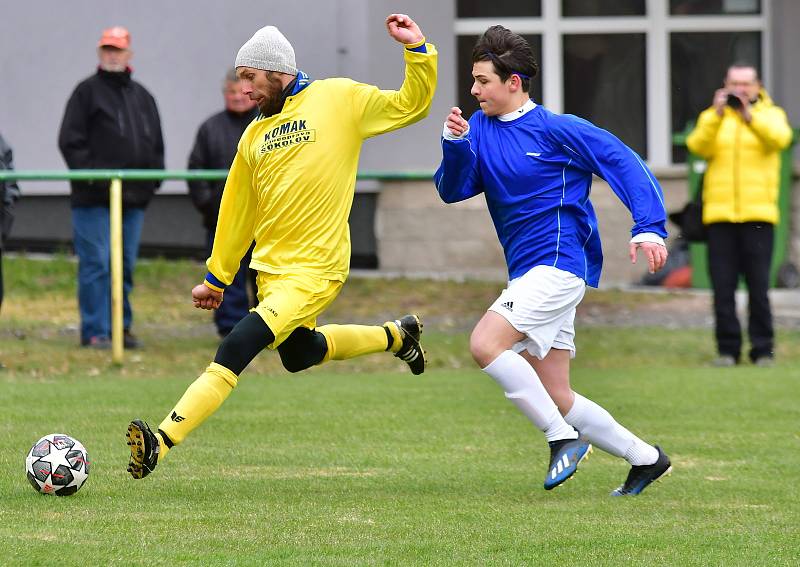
pixel 237 214
pixel 232 238
pixel 419 84
pixel 638 189
pixel 226 256
pixel 456 178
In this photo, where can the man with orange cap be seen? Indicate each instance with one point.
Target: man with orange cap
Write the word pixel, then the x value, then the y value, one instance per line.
pixel 110 122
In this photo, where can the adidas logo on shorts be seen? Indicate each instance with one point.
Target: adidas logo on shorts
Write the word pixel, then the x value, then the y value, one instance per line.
pixel 508 305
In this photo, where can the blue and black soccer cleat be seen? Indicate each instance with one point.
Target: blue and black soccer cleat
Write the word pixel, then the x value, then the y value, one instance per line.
pixel 565 456
pixel 642 476
pixel 144 447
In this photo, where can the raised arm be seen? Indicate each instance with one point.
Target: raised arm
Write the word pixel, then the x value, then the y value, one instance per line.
pixel 378 111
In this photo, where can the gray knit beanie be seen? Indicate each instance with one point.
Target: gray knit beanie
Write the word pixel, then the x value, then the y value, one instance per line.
pixel 267 50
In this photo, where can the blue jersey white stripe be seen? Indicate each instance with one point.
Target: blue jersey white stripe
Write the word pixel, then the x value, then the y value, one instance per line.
pixel 560 205
pixel 536 173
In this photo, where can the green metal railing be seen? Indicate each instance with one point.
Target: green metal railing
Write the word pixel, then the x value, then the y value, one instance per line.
pixel 117 176
pixel 179 174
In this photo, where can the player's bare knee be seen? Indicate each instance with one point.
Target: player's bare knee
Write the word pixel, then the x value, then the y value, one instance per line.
pixel 483 351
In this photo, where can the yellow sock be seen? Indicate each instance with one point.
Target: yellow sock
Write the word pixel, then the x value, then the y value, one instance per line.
pixel 200 400
pixel 398 338
pixel 163 448
pixel 349 341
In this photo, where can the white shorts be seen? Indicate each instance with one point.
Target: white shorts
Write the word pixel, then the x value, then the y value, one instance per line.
pixel 541 305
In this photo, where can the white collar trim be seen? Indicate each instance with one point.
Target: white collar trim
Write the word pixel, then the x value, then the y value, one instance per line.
pixel 521 111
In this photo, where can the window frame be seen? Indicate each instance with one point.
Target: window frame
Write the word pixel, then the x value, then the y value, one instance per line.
pixel 657 25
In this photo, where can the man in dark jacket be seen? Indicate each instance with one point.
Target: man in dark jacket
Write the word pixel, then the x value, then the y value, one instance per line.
pixel 9 193
pixel 111 122
pixel 214 148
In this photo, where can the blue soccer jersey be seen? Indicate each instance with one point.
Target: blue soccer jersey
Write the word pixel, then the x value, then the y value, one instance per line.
pixel 536 174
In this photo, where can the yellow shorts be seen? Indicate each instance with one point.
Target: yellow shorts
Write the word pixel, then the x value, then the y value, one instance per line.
pixel 288 301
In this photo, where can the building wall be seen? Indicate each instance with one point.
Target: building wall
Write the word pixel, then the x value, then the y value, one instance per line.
pixel 415 147
pixel 182 49
pixel 786 92
pixel 785 46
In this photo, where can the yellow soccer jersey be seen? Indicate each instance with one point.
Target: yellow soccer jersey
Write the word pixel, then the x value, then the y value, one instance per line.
pixel 291 184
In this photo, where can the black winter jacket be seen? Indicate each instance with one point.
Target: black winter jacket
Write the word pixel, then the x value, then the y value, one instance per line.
pixel 214 148
pixel 111 122
pixel 9 192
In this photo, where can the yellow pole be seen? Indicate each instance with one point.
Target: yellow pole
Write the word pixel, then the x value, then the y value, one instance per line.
pixel 115 210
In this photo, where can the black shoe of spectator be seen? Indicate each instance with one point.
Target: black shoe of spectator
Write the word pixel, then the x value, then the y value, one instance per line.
pixel 130 340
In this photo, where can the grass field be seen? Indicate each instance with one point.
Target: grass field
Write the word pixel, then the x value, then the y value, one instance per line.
pixel 361 463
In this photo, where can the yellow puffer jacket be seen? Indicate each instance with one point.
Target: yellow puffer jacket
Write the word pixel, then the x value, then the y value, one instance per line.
pixel 741 181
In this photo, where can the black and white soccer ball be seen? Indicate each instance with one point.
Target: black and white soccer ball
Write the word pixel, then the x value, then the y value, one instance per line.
pixel 57 464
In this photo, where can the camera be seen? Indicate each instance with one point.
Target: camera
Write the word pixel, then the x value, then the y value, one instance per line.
pixel 734 101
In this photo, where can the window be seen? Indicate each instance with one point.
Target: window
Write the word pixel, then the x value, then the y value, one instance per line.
pixel 638 68
pixel 587 8
pixel 709 7
pixel 695 76
pixel 498 8
pixel 604 82
pixel 466 102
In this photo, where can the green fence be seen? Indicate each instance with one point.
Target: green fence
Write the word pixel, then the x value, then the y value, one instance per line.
pixel 180 174
pixel 697 250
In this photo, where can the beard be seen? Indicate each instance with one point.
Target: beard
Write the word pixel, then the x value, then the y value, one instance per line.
pixel 272 103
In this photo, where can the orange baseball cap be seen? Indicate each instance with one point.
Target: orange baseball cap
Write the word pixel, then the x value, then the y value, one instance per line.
pixel 115 37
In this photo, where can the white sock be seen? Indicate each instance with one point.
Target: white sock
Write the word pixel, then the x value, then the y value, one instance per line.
pixel 601 430
pixel 523 387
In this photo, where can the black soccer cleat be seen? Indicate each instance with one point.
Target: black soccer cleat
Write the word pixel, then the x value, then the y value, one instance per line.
pixel 565 456
pixel 642 476
pixel 144 449
pixel 411 350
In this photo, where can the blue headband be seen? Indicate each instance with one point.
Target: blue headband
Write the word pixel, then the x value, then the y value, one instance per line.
pixel 492 56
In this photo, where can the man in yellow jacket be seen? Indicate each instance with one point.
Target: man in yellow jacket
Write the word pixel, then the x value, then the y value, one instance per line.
pixel 290 189
pixel 741 136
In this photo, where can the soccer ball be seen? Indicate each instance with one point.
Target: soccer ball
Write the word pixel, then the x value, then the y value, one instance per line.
pixel 57 464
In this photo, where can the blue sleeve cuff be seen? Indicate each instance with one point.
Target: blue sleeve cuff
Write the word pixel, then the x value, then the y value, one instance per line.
pixel 417 47
pixel 215 282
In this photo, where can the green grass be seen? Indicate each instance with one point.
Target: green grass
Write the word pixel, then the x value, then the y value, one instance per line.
pixel 360 463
